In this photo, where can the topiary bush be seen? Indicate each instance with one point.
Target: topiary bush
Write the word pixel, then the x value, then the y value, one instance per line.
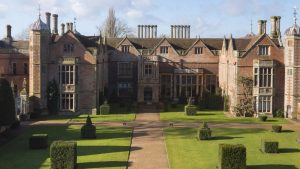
pixel 263 118
pixel 7 104
pixel 232 156
pixel 276 128
pixel 268 146
pixel 279 113
pixel 104 108
pixel 38 141
pixel 204 132
pixel 88 131
pixel 190 109
pixel 63 155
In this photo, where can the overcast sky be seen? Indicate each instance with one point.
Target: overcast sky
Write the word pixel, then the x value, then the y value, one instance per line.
pixel 208 18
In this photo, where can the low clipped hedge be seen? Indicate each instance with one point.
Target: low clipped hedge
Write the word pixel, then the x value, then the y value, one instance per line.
pixel 38 141
pixel 269 146
pixel 63 155
pixel 277 128
pixel 263 118
pixel 232 156
pixel 190 110
pixel 104 108
pixel 88 131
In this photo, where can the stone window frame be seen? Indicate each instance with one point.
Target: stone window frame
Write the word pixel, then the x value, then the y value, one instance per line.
pixel 164 49
pixel 148 69
pixel 68 76
pixel 125 48
pixel 264 50
pixel 198 50
pixel 166 85
pixel 68 101
pixel 124 86
pixel 264 79
pixel 125 69
pixel 68 48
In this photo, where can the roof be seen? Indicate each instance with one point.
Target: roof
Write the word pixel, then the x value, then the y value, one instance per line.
pixel 39 25
pixel 21 44
pixel 293 30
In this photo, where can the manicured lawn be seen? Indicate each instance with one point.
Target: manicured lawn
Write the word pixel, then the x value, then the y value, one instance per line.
pixel 178 115
pixel 109 150
pixel 118 114
pixel 185 151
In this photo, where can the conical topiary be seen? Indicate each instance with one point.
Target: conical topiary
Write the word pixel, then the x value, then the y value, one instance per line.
pixel 88 121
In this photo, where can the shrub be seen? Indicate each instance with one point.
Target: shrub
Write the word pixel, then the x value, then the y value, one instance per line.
pixel 204 132
pixel 63 155
pixel 88 130
pixel 38 141
pixel 52 96
pixel 16 125
pixel 276 128
pixel 269 146
pixel 104 108
pixel 232 156
pixel 190 110
pixel 278 113
pixel 7 104
pixel 263 118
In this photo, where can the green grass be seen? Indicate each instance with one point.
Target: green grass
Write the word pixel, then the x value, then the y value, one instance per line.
pixel 178 115
pixel 186 151
pixel 109 150
pixel 118 114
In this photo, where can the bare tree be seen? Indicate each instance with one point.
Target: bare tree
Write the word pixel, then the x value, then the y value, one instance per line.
pixel 113 27
pixel 24 34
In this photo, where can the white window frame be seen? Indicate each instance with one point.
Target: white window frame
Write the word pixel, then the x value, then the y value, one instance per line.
pixel 125 48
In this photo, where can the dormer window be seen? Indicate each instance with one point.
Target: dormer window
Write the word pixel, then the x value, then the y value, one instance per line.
pixel 264 50
pixel 164 49
pixel 68 48
pixel 125 48
pixel 198 50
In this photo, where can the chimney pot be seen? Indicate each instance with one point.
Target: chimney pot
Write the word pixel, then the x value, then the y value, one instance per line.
pixel 71 26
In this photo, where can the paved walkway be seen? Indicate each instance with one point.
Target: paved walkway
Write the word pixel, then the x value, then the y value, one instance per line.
pixel 148 149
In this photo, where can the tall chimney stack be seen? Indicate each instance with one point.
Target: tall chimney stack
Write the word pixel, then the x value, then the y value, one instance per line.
pixel 139 31
pixel 273 32
pixel 262 26
pixel 62 29
pixel 68 26
pixel 8 31
pixel 155 32
pixel 48 15
pixel 71 26
pixel 55 30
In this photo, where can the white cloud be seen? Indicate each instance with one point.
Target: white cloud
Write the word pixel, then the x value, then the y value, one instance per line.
pixel 133 13
pixel 3 9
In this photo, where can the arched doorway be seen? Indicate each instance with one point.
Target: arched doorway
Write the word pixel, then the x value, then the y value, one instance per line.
pixel 148 94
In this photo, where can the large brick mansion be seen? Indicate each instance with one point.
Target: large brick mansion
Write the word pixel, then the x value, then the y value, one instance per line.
pixel 147 68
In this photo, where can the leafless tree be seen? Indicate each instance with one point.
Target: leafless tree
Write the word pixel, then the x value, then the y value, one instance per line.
pixel 24 34
pixel 114 27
